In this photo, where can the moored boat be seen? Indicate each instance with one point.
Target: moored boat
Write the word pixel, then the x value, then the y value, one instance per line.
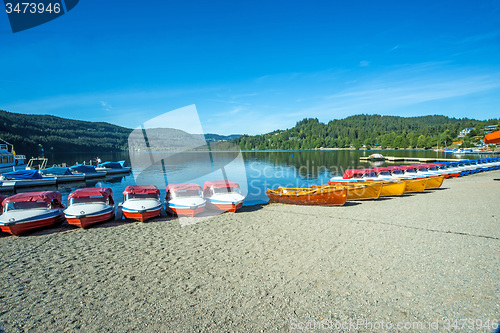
pixel 2 198
pixel 223 195
pixel 413 184
pixel 388 186
pixel 376 157
pixel 184 199
pixel 334 195
pixel 362 191
pixel 433 181
pixel 113 167
pixel 61 174
pixel 89 171
pixel 141 202
pixel 31 210
pixel 9 161
pixel 26 178
pixel 87 206
pixel 393 188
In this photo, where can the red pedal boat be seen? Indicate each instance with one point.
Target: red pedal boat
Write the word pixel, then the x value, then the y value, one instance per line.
pixel 31 210
pixel 87 206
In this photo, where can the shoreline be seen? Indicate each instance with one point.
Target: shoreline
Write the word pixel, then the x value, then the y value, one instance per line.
pixel 421 257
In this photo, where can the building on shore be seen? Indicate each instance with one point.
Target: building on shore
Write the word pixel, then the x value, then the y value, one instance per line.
pixel 490 129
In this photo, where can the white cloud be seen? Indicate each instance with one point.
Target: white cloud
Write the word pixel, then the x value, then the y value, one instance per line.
pixel 106 106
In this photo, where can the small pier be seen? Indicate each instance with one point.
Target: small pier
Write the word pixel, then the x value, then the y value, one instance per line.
pixel 395 159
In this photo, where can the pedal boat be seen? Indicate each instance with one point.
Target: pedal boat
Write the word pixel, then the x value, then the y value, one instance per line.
pixel 87 206
pixel 449 168
pixel 31 210
pixel 2 198
pixel 141 202
pixel 184 199
pixel 441 169
pixel 334 195
pixel 223 195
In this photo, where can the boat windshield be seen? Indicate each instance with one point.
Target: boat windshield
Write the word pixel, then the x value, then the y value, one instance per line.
pixel 370 174
pixel 433 169
pixel 26 205
pixel 224 190
pixel 141 196
pixel 384 173
pixel 397 172
pixel 411 171
pixel 186 194
pixel 84 200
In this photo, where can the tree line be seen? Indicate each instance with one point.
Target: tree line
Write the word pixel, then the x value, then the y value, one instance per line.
pixel 371 131
pixel 31 133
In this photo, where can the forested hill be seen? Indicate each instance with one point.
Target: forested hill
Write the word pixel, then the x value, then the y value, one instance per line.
pixel 370 130
pixel 28 133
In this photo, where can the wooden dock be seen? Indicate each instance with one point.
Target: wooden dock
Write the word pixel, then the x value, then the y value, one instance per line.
pixel 395 159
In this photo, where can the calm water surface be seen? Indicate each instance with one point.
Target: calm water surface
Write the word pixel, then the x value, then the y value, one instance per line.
pixel 255 171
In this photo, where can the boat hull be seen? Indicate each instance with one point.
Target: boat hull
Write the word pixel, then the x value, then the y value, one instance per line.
pixel 31 182
pixel 86 221
pixel 142 209
pixel 185 211
pixel 393 188
pixel 360 190
pixel 22 227
pixel 142 215
pixel 93 175
pixel 322 196
pixel 226 207
pixel 389 187
pixel 363 191
pixel 69 178
pixel 434 182
pixel 415 185
pixel 110 171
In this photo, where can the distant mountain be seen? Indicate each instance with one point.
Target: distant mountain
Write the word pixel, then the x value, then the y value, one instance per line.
pixel 168 139
pixel 217 137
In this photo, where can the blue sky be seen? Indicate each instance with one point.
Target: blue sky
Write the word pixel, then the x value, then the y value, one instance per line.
pixel 255 66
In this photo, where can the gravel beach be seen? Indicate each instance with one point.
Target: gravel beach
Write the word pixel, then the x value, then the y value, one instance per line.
pixel 429 258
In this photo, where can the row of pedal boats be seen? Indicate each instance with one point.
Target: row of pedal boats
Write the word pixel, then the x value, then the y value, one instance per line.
pixel 360 184
pixel 86 206
pixel 55 175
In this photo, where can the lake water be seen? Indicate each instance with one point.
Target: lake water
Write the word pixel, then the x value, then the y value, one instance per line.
pixel 255 171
